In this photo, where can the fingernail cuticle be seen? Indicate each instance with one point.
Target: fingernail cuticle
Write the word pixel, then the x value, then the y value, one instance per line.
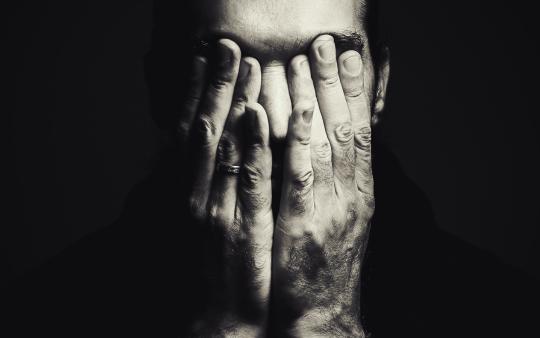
pixel 353 64
pixel 327 52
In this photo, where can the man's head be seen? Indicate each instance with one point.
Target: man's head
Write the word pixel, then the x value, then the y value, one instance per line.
pixel 272 31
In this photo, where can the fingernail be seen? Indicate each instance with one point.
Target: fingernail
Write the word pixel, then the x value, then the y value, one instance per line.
pixel 327 51
pixel 353 64
pixel 245 69
pixel 304 66
pixel 225 54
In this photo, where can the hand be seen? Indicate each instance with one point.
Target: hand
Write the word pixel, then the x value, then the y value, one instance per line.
pixel 327 196
pixel 227 130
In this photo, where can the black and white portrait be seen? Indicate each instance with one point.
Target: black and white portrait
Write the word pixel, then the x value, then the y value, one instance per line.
pixel 271 168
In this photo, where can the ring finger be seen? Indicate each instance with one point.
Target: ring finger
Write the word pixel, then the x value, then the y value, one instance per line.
pixel 229 154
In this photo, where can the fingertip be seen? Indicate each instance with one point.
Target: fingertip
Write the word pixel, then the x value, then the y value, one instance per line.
pixel 323 48
pixel 351 63
pixel 229 46
pixel 257 122
pixel 299 65
pixel 254 107
pixel 252 62
pixel 250 67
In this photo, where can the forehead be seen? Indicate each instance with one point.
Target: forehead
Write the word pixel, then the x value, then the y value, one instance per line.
pixel 275 28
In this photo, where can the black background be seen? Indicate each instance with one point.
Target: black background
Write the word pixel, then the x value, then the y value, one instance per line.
pixel 462 117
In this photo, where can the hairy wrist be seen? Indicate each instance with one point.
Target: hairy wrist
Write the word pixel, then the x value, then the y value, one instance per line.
pixel 328 322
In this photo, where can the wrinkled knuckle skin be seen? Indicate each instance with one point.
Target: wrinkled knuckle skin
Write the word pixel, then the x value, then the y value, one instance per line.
pixel 239 100
pixel 323 151
pixel 302 182
pixel 329 80
pixel 354 92
pixel 362 139
pixel 226 151
pixel 257 143
pixel 221 82
pixel 251 176
pixel 303 139
pixel 344 133
pixel 205 131
pixel 301 186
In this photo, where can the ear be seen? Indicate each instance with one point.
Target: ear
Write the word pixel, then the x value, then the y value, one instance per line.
pixel 383 74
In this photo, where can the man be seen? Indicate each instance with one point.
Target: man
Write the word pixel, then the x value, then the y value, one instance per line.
pixel 317 105
pixel 218 243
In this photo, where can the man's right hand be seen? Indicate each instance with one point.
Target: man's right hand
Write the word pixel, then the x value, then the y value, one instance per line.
pixel 226 133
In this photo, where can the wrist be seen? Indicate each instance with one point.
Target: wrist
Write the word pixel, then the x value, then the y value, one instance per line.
pixel 225 327
pixel 328 322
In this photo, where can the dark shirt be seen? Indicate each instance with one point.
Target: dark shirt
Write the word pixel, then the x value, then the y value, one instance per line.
pixel 141 275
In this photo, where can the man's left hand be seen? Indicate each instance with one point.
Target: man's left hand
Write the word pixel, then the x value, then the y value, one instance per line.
pixel 327 196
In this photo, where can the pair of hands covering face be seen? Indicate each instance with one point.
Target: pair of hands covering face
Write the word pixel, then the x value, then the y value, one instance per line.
pixel 299 272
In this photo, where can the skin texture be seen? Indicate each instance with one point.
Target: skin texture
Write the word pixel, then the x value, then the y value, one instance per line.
pixel 297 271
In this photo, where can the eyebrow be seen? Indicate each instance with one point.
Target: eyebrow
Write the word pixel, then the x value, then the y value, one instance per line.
pixel 344 40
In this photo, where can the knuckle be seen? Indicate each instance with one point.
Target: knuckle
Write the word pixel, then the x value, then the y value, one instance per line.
pixel 303 139
pixel 222 82
pixel 344 133
pixel 226 150
pixel 206 130
pixel 251 181
pixel 354 91
pixel 330 80
pixel 302 181
pixel 256 143
pixel 240 99
pixel 252 176
pixel 362 138
pixel 323 151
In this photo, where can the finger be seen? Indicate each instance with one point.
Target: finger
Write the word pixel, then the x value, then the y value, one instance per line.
pixel 301 90
pixel 352 79
pixel 297 193
pixel 192 98
pixel 254 207
pixel 229 154
pixel 255 196
pixel 210 123
pixel 334 110
pixel 255 188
